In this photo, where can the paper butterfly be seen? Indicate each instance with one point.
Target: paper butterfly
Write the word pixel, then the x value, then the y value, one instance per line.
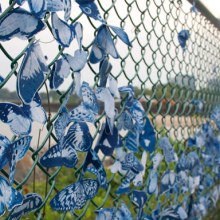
pixel 183 36
pixel 38 8
pixel 168 181
pixel 9 197
pixel 20 118
pixel 75 195
pixel 90 9
pixel 19 23
pixel 139 198
pixel 122 213
pixel 97 167
pixel 11 152
pixel 107 142
pixel 104 44
pixel 32 72
pixel 147 137
pixel 167 148
pixel 125 121
pixel 62 31
pixel 152 182
pixel 105 68
pixel 30 203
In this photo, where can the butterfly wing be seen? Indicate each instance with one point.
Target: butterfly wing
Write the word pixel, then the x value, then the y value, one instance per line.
pixel 61 123
pixel 62 32
pixel 113 87
pixel 78 61
pixel 103 94
pixel 35 110
pixel 82 113
pixel 18 150
pixel 60 5
pixel 97 54
pixel 31 74
pixel 4 150
pixel 60 70
pixel 104 41
pixel 75 195
pixel 93 158
pixel 58 156
pixel 90 9
pixel 79 137
pixel 104 71
pixel 38 8
pixel 78 30
pixel 13 115
pixel 9 196
pixel 121 34
pixel 19 23
pixel 152 182
pixel 30 203
pixel 89 97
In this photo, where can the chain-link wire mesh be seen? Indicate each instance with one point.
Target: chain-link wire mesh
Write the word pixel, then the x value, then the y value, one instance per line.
pixel 166 79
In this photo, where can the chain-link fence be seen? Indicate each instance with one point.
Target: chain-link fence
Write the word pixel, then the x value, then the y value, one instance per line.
pixel 165 77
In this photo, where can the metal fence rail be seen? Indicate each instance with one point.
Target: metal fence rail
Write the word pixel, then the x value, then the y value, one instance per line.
pixel 166 79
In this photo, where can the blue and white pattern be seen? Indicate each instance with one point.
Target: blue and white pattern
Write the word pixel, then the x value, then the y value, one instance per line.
pixel 9 197
pixel 30 203
pixel 21 24
pixel 12 152
pixel 31 74
pixel 75 195
pixel 62 32
pixel 20 118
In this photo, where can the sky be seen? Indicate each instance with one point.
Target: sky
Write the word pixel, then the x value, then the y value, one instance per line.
pixel 153 67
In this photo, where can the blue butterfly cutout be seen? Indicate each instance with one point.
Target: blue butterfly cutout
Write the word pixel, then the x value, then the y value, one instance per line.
pixel 139 198
pixel 22 24
pixel 56 156
pixel 60 70
pixel 89 97
pixel 12 152
pixel 105 68
pixel 167 148
pixel 97 167
pixel 78 135
pixel 187 162
pixel 60 5
pixel 20 117
pixel 168 181
pixel 38 8
pixel 104 44
pixel 31 202
pixel 132 139
pixel 131 162
pixel 75 195
pixel 107 142
pixel 9 197
pixel 152 182
pixel 32 72
pixel 62 31
pixel 199 104
pixel 183 36
pixel 90 9
pixel 103 94
pixel 122 213
pixel 147 138
pixel 125 121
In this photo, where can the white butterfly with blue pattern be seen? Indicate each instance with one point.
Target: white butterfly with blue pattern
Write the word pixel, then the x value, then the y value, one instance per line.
pixel 9 197
pixel 32 72
pixel 12 152
pixel 20 118
pixel 31 202
pixel 19 23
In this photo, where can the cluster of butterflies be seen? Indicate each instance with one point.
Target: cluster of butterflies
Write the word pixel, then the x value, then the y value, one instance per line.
pixel 188 174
